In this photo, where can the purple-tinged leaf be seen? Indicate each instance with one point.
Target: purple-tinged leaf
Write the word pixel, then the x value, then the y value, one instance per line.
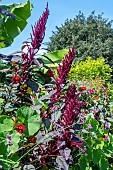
pixel 109 119
pixel 37 107
pixel 33 85
pixel 65 153
pixel 56 115
pixel 61 163
pixel 77 126
pixel 46 122
pixel 60 144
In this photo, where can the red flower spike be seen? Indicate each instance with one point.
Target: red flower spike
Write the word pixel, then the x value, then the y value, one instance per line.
pixel 39 30
pixel 20 128
pixel 64 68
pixel 16 79
pixel 63 71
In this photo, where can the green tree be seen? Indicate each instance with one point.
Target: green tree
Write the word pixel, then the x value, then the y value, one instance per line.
pixel 92 36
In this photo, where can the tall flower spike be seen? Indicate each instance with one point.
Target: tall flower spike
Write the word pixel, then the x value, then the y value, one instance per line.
pixel 63 70
pixel 39 30
pixel 72 106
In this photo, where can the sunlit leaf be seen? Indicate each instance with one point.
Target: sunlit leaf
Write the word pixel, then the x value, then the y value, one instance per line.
pixel 55 56
pixel 11 28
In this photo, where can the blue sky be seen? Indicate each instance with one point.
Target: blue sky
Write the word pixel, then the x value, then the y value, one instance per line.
pixel 60 10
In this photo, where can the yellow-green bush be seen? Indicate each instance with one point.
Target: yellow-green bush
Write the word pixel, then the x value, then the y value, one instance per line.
pixel 91 69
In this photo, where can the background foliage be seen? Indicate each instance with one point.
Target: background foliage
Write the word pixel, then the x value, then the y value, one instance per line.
pixel 90 69
pixel 92 36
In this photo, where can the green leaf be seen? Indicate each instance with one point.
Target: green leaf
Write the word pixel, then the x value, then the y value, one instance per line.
pixel 3 148
pixel 1 100
pixel 94 124
pixel 83 163
pixel 96 155
pixel 33 124
pixel 7 125
pixel 55 56
pixel 104 164
pixel 15 141
pixel 89 152
pixel 24 113
pixel 11 28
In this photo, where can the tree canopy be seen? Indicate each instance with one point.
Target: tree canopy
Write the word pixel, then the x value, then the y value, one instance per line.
pixel 92 36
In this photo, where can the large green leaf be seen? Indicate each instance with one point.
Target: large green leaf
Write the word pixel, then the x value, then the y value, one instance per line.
pixel 96 155
pixel 104 164
pixel 15 141
pixel 25 113
pixel 55 56
pixel 7 125
pixel 33 124
pixel 9 27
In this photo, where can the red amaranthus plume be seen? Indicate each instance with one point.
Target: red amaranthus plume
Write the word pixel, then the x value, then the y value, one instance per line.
pixel 39 30
pixel 64 68
pixel 72 106
pixel 63 71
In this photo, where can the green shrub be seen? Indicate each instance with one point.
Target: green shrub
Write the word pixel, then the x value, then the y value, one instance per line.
pixel 91 69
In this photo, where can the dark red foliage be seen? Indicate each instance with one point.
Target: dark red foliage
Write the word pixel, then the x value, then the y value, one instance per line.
pixel 50 73
pixel 69 113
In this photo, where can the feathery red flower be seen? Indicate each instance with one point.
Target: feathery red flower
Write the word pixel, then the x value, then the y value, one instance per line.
pixel 63 71
pixel 64 68
pixel 72 106
pixel 39 30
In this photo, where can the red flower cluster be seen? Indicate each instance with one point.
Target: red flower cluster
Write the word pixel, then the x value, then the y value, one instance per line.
pixel 16 79
pixel 83 88
pixel 20 128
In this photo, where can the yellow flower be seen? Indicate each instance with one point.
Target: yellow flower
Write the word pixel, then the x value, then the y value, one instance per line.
pixel 103 138
pixel 14 119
